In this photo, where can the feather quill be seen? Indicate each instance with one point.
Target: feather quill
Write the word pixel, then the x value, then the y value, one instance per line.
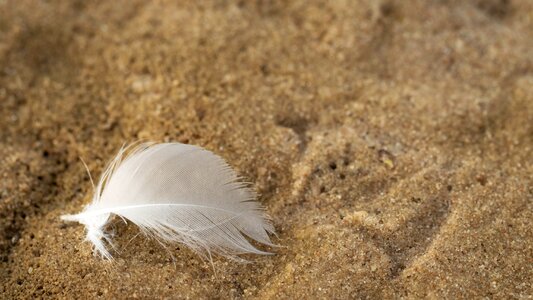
pixel 177 193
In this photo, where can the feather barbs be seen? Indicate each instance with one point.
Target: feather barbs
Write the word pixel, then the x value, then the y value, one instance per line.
pixel 177 193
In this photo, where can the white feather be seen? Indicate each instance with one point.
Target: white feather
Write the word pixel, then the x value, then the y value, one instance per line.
pixel 177 193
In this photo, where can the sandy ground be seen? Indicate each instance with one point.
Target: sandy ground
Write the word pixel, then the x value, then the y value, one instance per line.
pixel 391 142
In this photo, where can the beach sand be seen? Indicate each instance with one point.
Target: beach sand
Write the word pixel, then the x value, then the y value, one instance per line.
pixel 390 141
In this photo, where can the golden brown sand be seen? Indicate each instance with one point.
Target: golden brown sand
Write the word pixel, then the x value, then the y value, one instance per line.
pixel 391 142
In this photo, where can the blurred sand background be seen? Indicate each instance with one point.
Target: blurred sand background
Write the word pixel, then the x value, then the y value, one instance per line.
pixel 391 142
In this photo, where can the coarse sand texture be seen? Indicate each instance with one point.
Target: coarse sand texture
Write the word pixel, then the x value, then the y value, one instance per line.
pixel 390 141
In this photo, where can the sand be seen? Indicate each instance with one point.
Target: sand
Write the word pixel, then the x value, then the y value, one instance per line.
pixel 390 141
